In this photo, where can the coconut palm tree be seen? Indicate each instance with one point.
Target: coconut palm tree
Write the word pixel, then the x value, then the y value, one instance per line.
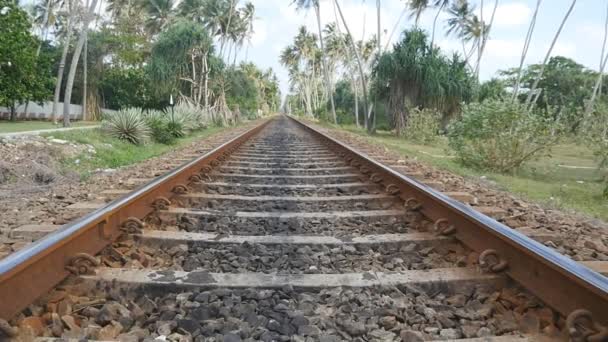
pixel 525 51
pixel 306 5
pixel 88 17
pixel 484 40
pixel 417 7
pixel 359 64
pixel 159 14
pixel 542 68
pixel 440 4
pixel 67 37
pixel 600 75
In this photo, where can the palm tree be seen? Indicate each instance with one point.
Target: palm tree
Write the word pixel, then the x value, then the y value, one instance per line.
pixel 441 5
pixel 525 51
pixel 159 14
pixel 463 24
pixel 542 68
pixel 417 7
pixel 307 4
pixel 359 64
pixel 67 37
pixel 603 61
pixel 88 16
pixel 484 40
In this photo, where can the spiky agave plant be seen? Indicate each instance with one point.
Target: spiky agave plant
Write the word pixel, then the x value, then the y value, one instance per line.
pixel 128 125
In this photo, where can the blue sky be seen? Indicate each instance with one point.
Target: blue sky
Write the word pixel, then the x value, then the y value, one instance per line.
pixel 581 39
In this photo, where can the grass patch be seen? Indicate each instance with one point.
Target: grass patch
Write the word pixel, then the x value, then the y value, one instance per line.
pixel 543 181
pixel 24 126
pixel 113 153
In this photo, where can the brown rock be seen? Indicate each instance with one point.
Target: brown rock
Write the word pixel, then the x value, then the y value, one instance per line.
pixel 34 324
pixel 529 323
pixel 110 331
pixel 70 322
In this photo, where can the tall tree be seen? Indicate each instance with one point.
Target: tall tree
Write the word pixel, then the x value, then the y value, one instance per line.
pixel 67 37
pixel 69 87
pixel 359 64
pixel 525 51
pixel 24 76
pixel 559 30
pixel 307 4
pixel 600 75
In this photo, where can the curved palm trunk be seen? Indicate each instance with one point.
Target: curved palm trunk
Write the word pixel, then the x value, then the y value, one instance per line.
pixel 542 68
pixel 324 62
pixel 72 74
pixel 359 64
pixel 435 24
pixel 484 38
pixel 61 69
pixel 525 52
pixel 600 76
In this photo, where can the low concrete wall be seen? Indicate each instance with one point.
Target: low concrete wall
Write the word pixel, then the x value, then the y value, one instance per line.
pixel 38 112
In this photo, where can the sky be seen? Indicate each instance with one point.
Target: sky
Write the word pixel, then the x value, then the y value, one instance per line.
pixel 581 39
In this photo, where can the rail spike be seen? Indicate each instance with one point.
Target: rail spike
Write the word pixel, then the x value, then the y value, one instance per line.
pixel 132 225
pixel 582 327
pixel 180 189
pixel 412 204
pixel 82 263
pixel 195 178
pixel 376 178
pixel 161 203
pixel 491 261
pixel 443 227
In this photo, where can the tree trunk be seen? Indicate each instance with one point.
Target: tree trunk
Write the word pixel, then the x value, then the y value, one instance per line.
pixel 542 68
pixel 484 38
pixel 72 74
pixel 435 24
pixel 85 70
pixel 358 58
pixel 600 76
pixel 525 51
pixel 60 71
pixel 223 40
pixel 13 116
pixel 324 65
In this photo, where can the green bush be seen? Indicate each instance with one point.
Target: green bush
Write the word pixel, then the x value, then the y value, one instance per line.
pixel 595 132
pixel 191 117
pixel 128 124
pixel 422 125
pixel 501 136
pixel 159 130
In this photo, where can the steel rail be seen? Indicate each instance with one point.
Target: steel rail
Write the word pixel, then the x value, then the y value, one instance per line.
pixel 560 282
pixel 31 272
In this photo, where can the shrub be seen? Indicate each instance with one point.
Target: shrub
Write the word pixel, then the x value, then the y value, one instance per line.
pixel 501 136
pixel 159 130
pixel 190 116
pixel 422 125
pixel 128 124
pixel 595 133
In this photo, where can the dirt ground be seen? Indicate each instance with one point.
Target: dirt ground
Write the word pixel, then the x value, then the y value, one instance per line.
pixel 34 191
pixel 577 236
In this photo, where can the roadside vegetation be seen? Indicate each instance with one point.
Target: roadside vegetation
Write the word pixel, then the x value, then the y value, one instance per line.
pixel 133 54
pixel 540 130
pixel 111 153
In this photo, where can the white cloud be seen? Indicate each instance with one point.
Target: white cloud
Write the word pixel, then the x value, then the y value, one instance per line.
pixel 259 33
pixel 508 15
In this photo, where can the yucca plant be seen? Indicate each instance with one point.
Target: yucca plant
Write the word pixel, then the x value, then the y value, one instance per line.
pixel 190 116
pixel 128 125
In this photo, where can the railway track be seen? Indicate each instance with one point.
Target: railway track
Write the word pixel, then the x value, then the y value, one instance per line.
pixel 284 233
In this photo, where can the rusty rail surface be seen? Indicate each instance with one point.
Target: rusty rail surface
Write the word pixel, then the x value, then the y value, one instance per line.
pixel 31 272
pixel 572 289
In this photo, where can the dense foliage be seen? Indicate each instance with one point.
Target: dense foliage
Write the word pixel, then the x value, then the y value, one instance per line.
pixel 135 54
pixel 416 75
pixel 500 135
pixel 25 74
